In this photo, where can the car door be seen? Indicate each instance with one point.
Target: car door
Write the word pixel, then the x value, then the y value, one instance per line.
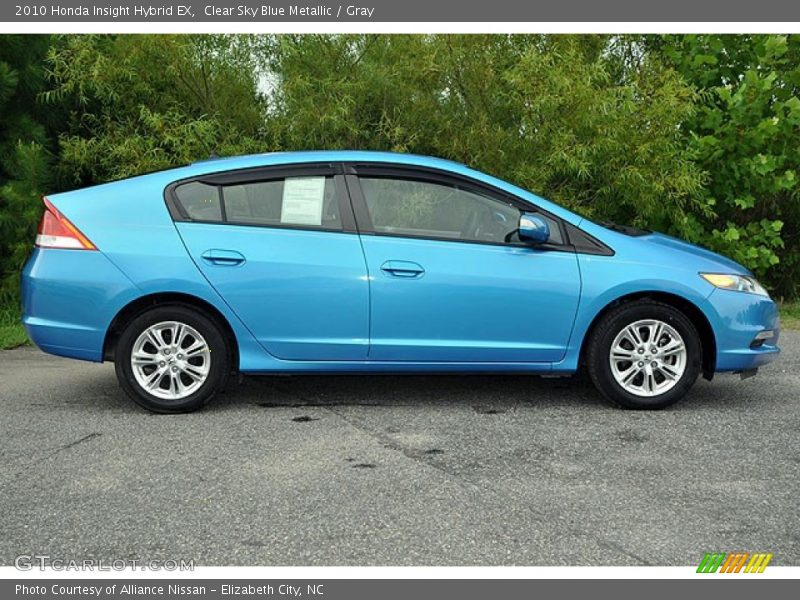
pixel 280 246
pixel 445 284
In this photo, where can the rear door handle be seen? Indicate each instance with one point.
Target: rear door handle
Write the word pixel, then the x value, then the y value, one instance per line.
pixel 403 268
pixel 229 258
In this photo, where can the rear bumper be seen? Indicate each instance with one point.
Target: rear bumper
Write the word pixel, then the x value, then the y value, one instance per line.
pixel 740 318
pixel 63 313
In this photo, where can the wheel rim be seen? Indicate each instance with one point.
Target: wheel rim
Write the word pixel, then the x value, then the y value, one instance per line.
pixel 170 360
pixel 648 358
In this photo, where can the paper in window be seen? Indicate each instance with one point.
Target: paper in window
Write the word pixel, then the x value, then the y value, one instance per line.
pixel 302 200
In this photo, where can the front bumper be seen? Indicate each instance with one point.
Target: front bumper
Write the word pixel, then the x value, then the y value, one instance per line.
pixel 738 321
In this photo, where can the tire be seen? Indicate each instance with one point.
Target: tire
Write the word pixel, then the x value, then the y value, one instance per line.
pixel 188 380
pixel 653 380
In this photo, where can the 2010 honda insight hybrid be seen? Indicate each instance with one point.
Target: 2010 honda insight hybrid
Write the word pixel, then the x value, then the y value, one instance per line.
pixel 320 262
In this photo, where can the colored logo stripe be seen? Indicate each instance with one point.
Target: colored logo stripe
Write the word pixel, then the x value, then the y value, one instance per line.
pixel 734 562
pixel 758 563
pixel 711 562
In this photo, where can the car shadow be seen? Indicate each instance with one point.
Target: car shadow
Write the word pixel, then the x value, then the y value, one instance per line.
pixel 81 386
pixel 481 391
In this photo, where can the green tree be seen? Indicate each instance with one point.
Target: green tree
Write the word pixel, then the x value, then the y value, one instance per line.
pixel 746 137
pixel 25 152
pixel 551 113
pixel 693 135
pixel 140 103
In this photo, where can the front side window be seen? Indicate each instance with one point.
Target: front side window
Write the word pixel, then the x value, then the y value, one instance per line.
pixel 416 208
pixel 427 209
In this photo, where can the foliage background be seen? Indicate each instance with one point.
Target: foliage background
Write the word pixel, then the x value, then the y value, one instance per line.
pixel 693 135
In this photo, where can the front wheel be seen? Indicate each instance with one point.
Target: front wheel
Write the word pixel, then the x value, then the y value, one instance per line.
pixel 644 355
pixel 172 359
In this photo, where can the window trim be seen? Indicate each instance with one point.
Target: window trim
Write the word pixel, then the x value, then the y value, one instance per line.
pixel 352 206
pixel 353 171
pixel 222 179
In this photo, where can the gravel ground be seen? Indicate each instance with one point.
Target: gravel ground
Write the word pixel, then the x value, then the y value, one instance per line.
pixel 484 470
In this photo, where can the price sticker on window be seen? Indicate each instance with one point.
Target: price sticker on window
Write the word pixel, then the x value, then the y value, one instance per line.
pixel 302 200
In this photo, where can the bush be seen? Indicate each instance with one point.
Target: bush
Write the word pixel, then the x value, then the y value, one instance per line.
pixel 692 135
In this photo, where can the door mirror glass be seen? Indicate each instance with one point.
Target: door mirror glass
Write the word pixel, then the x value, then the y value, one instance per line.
pixel 533 229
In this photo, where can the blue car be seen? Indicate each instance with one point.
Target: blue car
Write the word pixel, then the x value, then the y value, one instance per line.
pixel 366 262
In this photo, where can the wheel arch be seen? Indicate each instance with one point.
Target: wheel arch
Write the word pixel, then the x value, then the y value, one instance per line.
pixel 144 303
pixel 708 341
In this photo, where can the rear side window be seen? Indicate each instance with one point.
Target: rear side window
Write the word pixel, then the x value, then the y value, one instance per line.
pixel 294 201
pixel 289 202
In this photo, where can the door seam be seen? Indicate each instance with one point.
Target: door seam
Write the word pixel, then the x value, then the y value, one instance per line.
pixel 366 269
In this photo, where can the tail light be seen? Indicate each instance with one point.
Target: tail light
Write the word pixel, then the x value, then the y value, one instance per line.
pixel 56 231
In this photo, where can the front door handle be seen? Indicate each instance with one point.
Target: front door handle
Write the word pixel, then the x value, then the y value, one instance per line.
pixel 402 268
pixel 229 258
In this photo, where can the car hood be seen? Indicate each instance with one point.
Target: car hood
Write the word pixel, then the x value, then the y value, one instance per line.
pixel 719 262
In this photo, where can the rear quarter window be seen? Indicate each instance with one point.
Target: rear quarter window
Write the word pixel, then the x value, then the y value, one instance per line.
pixel 199 201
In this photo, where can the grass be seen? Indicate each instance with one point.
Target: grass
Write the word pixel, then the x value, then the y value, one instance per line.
pixel 790 315
pixel 12 334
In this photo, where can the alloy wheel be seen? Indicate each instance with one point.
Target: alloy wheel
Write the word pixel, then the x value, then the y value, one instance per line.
pixel 648 358
pixel 170 360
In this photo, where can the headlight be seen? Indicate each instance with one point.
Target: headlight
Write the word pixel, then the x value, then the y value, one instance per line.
pixel 737 283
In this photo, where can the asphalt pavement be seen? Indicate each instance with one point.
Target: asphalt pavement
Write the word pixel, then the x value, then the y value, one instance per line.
pixel 386 470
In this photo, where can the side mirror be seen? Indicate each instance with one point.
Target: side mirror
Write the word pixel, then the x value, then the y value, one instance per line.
pixel 533 229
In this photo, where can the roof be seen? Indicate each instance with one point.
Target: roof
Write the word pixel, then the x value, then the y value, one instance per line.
pixel 163 178
pixel 276 158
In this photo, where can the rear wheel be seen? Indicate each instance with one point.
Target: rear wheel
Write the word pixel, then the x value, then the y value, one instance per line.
pixel 644 354
pixel 172 359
